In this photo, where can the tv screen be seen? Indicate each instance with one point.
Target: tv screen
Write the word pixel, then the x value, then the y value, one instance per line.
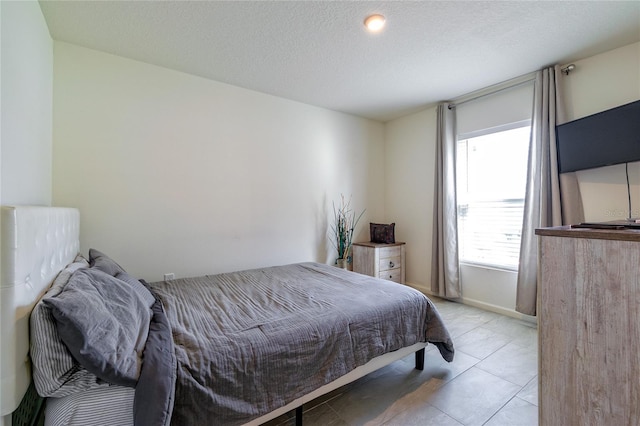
pixel 606 138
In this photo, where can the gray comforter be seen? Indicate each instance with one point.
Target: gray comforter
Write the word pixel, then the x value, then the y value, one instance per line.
pixel 249 342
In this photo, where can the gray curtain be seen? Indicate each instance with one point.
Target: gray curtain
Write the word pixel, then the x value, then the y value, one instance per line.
pixel 445 268
pixel 544 206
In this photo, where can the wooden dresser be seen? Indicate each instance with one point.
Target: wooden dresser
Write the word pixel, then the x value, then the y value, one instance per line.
pixel 589 327
pixel 384 261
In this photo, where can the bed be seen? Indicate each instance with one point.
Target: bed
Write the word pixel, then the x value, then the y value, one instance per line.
pixel 240 348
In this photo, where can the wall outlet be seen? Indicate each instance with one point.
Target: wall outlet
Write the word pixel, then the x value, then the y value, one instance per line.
pixel 169 276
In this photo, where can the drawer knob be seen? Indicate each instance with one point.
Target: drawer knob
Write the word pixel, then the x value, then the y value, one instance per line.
pixel 391 265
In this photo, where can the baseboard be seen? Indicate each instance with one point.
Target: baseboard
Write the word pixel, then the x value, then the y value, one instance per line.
pixel 481 305
pixel 500 310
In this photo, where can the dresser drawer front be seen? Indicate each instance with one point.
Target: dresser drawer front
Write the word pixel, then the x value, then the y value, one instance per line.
pixel 390 251
pixel 391 275
pixel 390 263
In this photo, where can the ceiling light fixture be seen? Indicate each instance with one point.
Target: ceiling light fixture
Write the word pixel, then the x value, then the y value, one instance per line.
pixel 374 23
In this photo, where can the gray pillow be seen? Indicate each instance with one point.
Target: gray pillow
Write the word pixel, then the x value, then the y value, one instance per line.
pixel 104 263
pixel 55 372
pixel 148 298
pixel 104 323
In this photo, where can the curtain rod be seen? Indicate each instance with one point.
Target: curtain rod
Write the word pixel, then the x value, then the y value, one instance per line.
pixel 519 82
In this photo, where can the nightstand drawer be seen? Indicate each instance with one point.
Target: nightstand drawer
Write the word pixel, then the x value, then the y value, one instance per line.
pixel 380 260
pixel 390 251
pixel 390 263
pixel 391 275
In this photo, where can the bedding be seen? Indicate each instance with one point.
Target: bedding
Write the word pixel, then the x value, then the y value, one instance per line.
pixel 104 323
pixel 149 403
pixel 91 407
pixel 251 341
pixel 67 351
pixel 101 261
pixel 56 373
pixel 155 390
pixel 231 347
pixel 138 287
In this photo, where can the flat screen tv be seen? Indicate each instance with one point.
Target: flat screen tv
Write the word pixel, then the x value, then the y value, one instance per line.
pixel 602 139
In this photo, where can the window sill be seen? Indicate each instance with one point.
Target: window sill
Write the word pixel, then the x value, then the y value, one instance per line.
pixel 489 266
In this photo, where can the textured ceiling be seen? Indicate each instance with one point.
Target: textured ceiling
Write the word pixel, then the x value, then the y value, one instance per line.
pixel 319 53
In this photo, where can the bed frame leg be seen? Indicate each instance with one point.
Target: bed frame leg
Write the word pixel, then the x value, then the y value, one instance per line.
pixel 420 359
pixel 299 416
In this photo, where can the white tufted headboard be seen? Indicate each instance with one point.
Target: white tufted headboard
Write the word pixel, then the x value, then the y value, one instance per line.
pixel 37 243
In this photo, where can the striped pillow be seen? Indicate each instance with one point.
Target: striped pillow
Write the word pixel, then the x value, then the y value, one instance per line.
pixel 55 372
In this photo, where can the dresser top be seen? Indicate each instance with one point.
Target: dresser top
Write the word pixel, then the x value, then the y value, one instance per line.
pixel 599 234
pixel 371 244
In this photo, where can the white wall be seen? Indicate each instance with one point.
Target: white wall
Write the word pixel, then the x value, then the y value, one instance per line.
pixel 598 83
pixel 26 84
pixel 26 96
pixel 409 189
pixel 176 173
pixel 603 81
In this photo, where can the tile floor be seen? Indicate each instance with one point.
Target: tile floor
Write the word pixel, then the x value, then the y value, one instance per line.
pixel 492 380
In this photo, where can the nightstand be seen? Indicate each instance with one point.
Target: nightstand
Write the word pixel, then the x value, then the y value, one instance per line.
pixel 384 261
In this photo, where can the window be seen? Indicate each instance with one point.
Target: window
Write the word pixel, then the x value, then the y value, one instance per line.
pixel 491 183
